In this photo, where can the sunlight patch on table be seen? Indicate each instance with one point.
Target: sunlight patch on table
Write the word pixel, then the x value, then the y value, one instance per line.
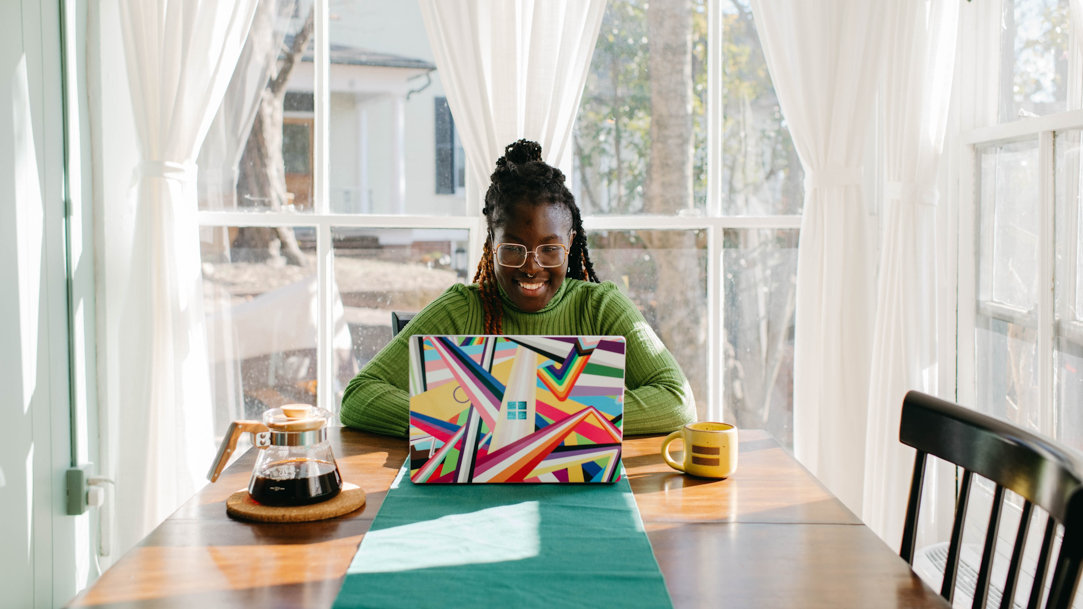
pixel 497 534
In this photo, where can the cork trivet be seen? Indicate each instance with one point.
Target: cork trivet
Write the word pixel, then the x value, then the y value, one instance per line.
pixel 241 505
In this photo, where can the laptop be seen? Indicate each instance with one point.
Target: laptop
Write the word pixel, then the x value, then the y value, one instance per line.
pixel 525 409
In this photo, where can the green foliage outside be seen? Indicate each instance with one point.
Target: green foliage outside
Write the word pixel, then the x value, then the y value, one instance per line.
pixel 760 175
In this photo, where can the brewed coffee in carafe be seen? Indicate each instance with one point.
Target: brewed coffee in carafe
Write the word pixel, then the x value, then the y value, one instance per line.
pixel 294 464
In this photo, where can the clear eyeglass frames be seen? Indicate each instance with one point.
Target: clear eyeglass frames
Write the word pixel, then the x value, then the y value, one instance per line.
pixel 548 255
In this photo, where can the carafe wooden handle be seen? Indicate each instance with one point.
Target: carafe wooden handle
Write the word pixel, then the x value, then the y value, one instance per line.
pixel 229 444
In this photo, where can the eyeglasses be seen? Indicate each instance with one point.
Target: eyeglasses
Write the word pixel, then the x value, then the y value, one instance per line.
pixel 513 255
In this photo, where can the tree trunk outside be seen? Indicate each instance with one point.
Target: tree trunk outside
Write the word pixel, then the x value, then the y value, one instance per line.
pixel 262 179
pixel 669 186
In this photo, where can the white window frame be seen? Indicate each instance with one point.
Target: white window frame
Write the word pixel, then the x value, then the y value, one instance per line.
pixel 713 221
pixel 1043 129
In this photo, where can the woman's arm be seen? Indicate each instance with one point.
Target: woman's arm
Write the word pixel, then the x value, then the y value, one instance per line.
pixel 658 397
pixel 377 399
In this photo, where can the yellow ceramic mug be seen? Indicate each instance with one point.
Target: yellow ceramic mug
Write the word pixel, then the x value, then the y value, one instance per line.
pixel 710 449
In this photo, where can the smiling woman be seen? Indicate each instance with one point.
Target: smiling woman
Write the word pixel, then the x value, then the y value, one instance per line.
pixel 528 208
pixel 535 277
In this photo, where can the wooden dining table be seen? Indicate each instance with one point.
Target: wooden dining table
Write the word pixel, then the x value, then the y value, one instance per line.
pixel 768 536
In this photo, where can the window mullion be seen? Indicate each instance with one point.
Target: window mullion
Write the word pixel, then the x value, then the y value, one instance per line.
pixel 1067 313
pixel 715 107
pixel 716 287
pixel 1047 261
pixel 967 285
pixel 320 177
pixel 649 222
pixel 1075 63
pixel 1023 128
pixel 715 266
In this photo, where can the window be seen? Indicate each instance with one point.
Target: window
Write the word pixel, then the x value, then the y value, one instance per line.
pixel 1068 289
pixel 704 243
pixel 1006 332
pixel 297 161
pixel 299 295
pixel 1020 346
pixel 450 158
pixel 359 186
pixel 1016 352
pixel 1035 52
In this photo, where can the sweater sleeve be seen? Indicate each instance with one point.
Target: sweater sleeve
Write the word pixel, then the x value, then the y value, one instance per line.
pixel 658 397
pixel 377 399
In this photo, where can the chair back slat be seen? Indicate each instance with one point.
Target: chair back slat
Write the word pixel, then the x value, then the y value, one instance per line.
pixel 1065 581
pixel 951 567
pixel 1011 581
pixel 1037 589
pixel 1045 474
pixel 981 590
pixel 917 482
pixel 1070 560
pixel 399 319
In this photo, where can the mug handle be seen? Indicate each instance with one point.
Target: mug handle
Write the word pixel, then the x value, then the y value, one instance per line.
pixel 665 450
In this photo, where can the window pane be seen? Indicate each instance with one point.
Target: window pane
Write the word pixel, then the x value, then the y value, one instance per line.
pixel 258 152
pixel 640 136
pixel 1034 40
pixel 1008 225
pixel 1006 364
pixel 261 311
pixel 445 147
pixel 1069 389
pixel 380 270
pixel 1006 371
pixel 261 321
pixel 1069 227
pixel 761 174
pixel 1068 290
pixel 297 142
pixel 760 285
pixel 383 132
pixel 665 275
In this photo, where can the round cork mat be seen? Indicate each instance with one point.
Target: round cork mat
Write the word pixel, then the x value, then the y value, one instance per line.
pixel 241 505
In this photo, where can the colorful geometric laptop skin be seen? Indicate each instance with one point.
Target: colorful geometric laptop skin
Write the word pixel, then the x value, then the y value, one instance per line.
pixel 488 409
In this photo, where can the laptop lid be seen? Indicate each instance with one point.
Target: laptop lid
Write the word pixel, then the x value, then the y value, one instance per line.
pixel 491 409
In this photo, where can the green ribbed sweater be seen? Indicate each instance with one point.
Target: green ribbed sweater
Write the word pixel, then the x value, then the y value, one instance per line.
pixel 657 397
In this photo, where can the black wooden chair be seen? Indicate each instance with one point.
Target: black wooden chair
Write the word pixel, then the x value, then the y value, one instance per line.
pixel 399 321
pixel 1039 470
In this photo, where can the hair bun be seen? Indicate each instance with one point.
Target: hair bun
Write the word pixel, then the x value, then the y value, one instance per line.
pixel 523 151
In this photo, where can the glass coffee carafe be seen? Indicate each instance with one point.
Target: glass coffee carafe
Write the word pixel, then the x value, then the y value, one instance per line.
pixel 294 464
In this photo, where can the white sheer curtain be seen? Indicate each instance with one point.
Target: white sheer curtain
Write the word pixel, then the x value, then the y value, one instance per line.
pixel 218 160
pixel 221 150
pixel 825 58
pixel 158 439
pixel 512 70
pixel 915 100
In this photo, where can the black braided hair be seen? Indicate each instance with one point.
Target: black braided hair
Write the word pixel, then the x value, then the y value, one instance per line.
pixel 522 176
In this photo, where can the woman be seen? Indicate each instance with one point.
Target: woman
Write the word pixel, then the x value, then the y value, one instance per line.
pixel 535 277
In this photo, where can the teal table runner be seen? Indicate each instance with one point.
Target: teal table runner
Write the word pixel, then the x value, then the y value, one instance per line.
pixel 505 545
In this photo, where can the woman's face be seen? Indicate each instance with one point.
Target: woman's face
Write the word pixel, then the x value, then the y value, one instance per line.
pixel 531 286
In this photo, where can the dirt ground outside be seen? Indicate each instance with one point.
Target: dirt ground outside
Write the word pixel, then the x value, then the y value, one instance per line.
pixel 370 289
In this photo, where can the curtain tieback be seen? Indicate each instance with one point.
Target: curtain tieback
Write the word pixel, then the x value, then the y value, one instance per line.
pixel 830 177
pixel 167 170
pixel 909 190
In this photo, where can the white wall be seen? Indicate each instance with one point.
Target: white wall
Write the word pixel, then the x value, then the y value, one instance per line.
pixel 38 564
